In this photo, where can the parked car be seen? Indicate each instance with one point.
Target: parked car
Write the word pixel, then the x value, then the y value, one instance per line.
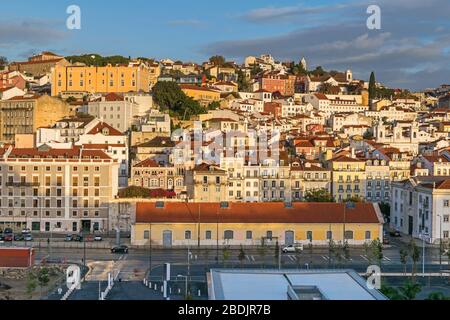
pixel 386 241
pixel 395 234
pixel 8 237
pixel 18 237
pixel 26 231
pixel 77 238
pixel 68 238
pixel 98 238
pixel 28 237
pixel 119 249
pixel 8 231
pixel 292 249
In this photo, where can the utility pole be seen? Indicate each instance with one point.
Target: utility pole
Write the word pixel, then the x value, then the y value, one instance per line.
pixel 440 243
pixel 150 250
pixel 198 227
pixel 189 269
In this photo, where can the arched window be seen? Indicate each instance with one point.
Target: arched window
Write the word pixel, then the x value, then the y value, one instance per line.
pixel 229 235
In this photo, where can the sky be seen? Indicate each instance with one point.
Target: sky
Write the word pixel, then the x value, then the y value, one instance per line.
pixel 411 50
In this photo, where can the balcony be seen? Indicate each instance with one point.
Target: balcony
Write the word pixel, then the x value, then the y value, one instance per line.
pixel 23 184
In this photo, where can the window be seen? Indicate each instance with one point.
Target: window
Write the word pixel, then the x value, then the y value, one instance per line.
pixel 146 234
pixel 249 235
pixel 446 218
pixel 309 235
pixel 187 235
pixel 348 235
pixel 269 235
pixel 228 235
pixel 368 235
pixel 208 235
pixel 446 203
pixel 329 235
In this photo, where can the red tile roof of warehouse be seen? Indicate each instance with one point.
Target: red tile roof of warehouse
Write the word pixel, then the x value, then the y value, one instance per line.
pixel 176 212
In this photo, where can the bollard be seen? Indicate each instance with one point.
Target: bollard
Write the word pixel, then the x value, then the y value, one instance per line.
pixel 179 291
pixel 162 289
pixel 156 287
pixel 199 293
pixel 150 285
pixel 170 290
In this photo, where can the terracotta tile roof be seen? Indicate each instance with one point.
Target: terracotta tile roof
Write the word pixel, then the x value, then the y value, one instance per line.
pixel 37 62
pixel 346 159
pixel 103 125
pixel 41 153
pixel 149 163
pixel 158 142
pixel 175 212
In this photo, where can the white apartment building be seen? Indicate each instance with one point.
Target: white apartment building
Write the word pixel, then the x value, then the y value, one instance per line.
pixel 378 181
pixel 335 104
pixel 56 190
pixel 115 110
pixel 421 205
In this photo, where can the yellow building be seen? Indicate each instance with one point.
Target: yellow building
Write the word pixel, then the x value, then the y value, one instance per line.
pixel 203 95
pixel 207 183
pixel 24 115
pixel 348 178
pixel 234 224
pixel 118 79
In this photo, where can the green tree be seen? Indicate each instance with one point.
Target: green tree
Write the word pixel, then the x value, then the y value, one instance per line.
pixel 277 252
pixel 262 250
pixel 414 253
pixel 331 250
pixel 346 250
pixel 3 62
pixel 225 256
pixel 368 251
pixel 243 83
pixel 217 60
pixel 437 296
pixel 318 195
pixel 318 71
pixel 377 251
pixel 372 86
pixel 168 96
pixel 241 256
pixel 404 258
pixel 31 284
pixel 410 290
pixel 391 293
pixel 43 277
pixel 214 105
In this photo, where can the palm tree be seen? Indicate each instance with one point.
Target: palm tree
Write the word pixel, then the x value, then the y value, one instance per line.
pixel 404 258
pixel 241 256
pixel 226 256
pixel 414 253
pixel 262 252
pixel 410 290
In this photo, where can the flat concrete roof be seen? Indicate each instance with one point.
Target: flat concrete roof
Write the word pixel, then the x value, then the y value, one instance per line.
pixel 257 284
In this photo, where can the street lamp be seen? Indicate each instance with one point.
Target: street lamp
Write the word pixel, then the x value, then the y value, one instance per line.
pixel 440 243
pixel 186 284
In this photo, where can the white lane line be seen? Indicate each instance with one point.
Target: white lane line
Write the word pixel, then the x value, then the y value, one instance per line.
pixel 253 258
pixel 326 258
pixel 248 258
pixel 364 257
pixel 386 259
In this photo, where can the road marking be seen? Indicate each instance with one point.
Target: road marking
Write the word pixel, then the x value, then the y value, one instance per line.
pixel 253 258
pixel 364 257
pixel 386 259
pixel 326 258
pixel 293 258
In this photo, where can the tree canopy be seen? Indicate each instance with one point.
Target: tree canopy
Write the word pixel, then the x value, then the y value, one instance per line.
pixel 320 195
pixel 372 86
pixel 3 62
pixel 97 60
pixel 169 97
pixel 217 60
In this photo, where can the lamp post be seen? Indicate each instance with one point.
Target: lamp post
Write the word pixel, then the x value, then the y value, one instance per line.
pixel 440 243
pixel 150 251
pixel 186 285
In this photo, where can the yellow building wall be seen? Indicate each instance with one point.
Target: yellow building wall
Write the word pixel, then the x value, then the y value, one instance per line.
pixel 354 173
pixel 49 110
pixel 259 231
pixel 202 94
pixel 119 79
